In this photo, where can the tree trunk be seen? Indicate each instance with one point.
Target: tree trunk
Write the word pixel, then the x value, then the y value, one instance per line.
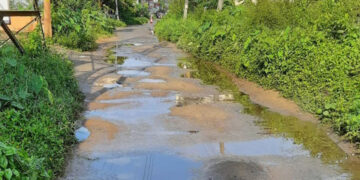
pixel 220 5
pixel 186 8
pixel 117 10
pixel 100 4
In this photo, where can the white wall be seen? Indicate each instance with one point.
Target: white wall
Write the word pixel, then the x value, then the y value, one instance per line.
pixel 4 5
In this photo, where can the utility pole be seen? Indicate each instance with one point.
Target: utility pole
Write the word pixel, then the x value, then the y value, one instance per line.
pixel 186 8
pixel 220 5
pixel 117 10
pixel 47 19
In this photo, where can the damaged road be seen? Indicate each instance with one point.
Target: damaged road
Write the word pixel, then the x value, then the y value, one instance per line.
pixel 158 116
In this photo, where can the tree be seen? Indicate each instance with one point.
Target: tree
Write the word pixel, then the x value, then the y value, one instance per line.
pixel 117 10
pixel 220 5
pixel 186 8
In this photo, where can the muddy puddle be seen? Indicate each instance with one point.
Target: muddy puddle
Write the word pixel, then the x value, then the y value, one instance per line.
pixel 191 122
pixel 312 137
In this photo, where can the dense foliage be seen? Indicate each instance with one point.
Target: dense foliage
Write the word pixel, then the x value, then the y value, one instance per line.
pixel 308 50
pixel 78 23
pixel 39 102
pixel 130 12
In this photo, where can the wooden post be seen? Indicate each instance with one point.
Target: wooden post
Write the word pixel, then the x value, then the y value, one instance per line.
pixel 47 19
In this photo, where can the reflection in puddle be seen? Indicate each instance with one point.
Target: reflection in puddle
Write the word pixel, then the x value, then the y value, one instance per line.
pixel 135 63
pixel 184 101
pixel 311 136
pixel 133 73
pixel 111 58
pixel 152 81
pixel 147 165
pixel 274 146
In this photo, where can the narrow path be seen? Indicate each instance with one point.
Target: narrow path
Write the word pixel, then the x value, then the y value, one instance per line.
pixel 149 120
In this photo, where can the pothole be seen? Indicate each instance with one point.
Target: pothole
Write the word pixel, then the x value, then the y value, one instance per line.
pixel 133 73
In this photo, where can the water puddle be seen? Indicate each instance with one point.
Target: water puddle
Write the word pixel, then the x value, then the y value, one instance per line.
pixel 112 86
pixel 139 110
pixel 186 100
pixel 310 136
pixel 135 63
pixel 152 81
pixel 270 146
pixel 82 134
pixel 133 73
pixel 141 165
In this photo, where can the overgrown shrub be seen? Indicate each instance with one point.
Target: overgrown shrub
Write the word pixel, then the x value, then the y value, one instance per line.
pixel 308 50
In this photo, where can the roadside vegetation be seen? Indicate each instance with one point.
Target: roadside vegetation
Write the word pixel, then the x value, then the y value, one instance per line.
pixel 77 24
pixel 308 50
pixel 39 103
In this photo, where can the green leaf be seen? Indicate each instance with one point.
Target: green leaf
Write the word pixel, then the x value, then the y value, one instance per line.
pixel 11 62
pixel 3 162
pixel 326 113
pixel 36 83
pixel 8 174
pixel 330 106
pixel 5 98
pixel 319 111
pixel 50 96
pixel 16 173
pixel 9 151
pixel 17 105
pixel 1 174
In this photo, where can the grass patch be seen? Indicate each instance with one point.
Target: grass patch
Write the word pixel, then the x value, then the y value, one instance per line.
pixel 39 103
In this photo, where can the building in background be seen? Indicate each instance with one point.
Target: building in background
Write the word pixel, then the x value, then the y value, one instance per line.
pixel 16 23
pixel 5 5
pixel 158 7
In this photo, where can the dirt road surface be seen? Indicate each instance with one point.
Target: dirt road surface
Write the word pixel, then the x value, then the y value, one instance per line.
pixel 149 118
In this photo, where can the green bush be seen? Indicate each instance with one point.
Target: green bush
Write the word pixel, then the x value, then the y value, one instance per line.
pixel 77 24
pixel 16 165
pixel 39 102
pixel 308 50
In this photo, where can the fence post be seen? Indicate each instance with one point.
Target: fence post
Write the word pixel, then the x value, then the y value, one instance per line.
pixel 47 18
